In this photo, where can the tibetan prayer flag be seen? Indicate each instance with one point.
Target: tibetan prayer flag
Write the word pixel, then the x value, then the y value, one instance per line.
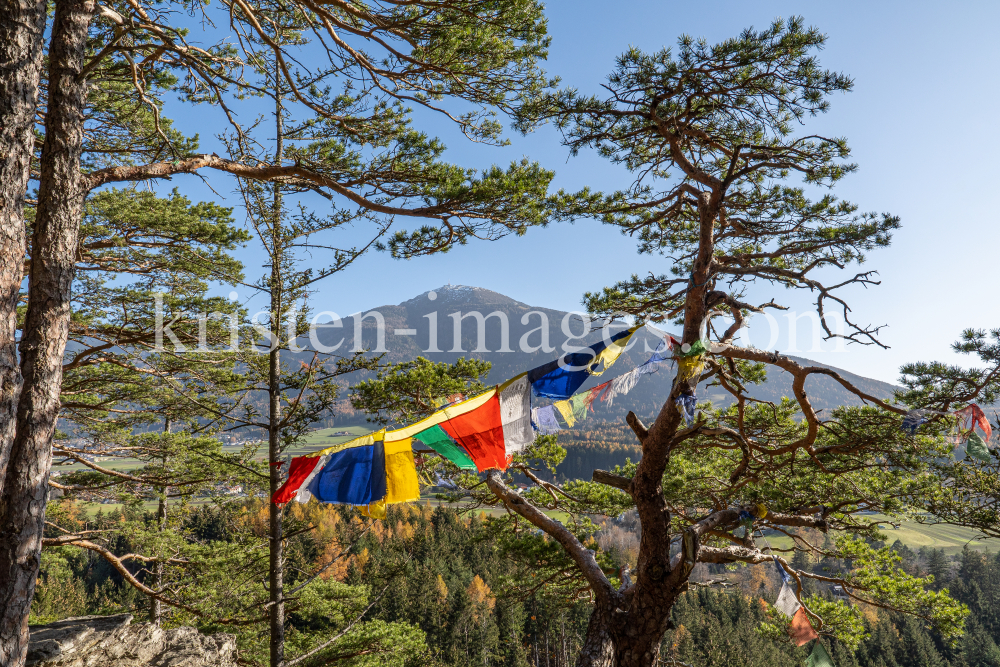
pixel 913 420
pixel 351 473
pixel 819 657
pixel 598 392
pixel 662 351
pixel 565 408
pixel 978 418
pixel 352 476
pixel 435 438
pixel 375 510
pixel 690 367
pixel 800 629
pixel 686 404
pixel 515 414
pixel 785 577
pixel 695 349
pixel 562 377
pixel 622 385
pixel 545 420
pixel 300 474
pixel 610 354
pixel 581 403
pixel 976 447
pixel 401 485
pixel 787 603
pixel 476 424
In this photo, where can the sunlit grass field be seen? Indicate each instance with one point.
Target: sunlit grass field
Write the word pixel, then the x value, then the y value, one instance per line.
pixel 952 539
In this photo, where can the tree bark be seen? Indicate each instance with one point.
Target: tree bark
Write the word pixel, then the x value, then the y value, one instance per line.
pixel 43 339
pixel 155 606
pixel 22 40
pixel 598 648
pixel 276 545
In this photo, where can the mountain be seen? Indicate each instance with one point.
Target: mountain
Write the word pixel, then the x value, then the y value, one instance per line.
pixel 427 324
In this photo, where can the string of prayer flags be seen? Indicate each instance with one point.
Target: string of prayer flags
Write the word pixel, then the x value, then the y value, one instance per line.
pixel 800 629
pixel 478 433
pixel 545 420
pixel 562 377
pixel 819 657
pixel 686 404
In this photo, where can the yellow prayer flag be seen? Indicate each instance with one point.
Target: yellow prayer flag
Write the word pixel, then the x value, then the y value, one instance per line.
pixel 401 484
pixel 610 354
pixel 565 408
pixel 375 510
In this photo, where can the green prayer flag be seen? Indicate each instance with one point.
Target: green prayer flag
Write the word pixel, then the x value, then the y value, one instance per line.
pixel 435 438
pixel 698 347
pixel 819 657
pixel 976 447
pixel 581 402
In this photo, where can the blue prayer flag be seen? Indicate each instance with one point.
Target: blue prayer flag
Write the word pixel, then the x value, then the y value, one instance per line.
pixel 562 377
pixel 785 577
pixel 354 476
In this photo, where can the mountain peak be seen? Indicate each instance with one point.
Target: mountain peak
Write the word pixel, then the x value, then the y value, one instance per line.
pixel 448 295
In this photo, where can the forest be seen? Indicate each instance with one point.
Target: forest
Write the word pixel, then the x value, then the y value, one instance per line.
pixel 446 593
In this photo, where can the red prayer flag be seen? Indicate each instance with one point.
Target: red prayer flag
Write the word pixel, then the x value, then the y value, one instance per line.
pixel 480 432
pixel 596 392
pixel 800 629
pixel 978 418
pixel 301 467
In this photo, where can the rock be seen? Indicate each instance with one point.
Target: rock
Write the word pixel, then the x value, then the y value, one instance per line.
pixel 113 641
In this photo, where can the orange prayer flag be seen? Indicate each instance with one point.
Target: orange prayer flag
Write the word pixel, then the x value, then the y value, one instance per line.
pixel 800 629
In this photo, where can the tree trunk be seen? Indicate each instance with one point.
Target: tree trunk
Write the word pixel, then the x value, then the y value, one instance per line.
pixel 598 644
pixel 43 339
pixel 276 546
pixel 155 606
pixel 22 27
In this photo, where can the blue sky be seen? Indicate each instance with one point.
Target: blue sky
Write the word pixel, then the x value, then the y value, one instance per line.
pixel 922 123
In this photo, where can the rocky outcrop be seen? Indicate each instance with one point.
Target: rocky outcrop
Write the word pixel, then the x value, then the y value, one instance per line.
pixel 113 641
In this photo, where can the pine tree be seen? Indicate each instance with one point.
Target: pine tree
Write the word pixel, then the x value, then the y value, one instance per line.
pixel 479 57
pixel 711 135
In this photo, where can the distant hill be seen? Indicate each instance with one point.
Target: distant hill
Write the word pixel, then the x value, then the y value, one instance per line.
pixel 425 326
